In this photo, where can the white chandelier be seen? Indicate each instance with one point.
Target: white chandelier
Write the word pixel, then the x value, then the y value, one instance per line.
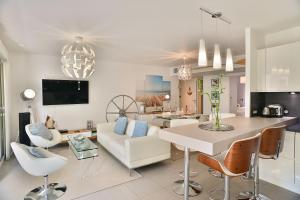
pixel 184 72
pixel 78 59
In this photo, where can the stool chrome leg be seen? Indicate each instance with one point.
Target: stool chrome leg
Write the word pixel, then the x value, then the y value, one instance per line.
pixel 186 172
pixel 193 188
pixel 47 191
pixel 256 195
pixel 227 188
pixel 221 194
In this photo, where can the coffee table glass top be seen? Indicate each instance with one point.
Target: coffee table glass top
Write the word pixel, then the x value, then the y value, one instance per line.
pixel 82 147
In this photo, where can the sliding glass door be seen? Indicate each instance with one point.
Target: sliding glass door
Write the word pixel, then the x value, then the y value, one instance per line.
pixel 2 113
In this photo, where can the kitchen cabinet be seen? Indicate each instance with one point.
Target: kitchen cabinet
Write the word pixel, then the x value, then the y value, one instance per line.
pixel 261 70
pixel 285 171
pixel 282 68
pixel 297 160
pixel 288 150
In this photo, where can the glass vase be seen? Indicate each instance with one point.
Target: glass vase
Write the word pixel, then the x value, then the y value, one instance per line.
pixel 215 111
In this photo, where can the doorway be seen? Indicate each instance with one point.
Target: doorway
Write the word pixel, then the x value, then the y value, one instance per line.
pixel 199 96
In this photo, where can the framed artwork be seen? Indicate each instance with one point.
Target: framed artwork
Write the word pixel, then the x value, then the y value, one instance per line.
pixel 153 90
pixel 214 83
pixel 215 96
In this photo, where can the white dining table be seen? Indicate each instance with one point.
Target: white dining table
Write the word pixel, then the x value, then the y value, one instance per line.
pixel 216 142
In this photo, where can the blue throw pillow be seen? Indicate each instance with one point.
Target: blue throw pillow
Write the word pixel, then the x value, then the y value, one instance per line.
pixel 140 128
pixel 121 125
pixel 37 152
pixel 41 130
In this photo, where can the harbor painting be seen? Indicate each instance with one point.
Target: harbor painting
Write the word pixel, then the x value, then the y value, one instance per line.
pixel 152 90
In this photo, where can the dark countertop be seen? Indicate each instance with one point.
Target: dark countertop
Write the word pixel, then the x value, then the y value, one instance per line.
pixel 294 128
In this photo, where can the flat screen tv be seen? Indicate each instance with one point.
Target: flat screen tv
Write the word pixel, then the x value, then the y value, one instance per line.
pixel 60 92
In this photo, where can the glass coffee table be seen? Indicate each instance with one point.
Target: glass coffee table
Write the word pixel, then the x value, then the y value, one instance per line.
pixel 82 147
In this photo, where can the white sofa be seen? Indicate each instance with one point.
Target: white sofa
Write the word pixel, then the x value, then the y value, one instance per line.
pixel 133 152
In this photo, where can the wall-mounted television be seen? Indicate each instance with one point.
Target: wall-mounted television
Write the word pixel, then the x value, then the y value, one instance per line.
pixel 60 92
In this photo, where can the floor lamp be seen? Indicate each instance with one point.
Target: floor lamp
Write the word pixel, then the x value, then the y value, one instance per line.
pixel 28 95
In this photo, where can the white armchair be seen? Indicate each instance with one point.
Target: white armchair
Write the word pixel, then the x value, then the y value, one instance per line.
pixel 41 166
pixel 133 152
pixel 42 142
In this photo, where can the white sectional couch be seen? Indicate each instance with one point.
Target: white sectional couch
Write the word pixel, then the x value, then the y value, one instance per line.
pixel 133 152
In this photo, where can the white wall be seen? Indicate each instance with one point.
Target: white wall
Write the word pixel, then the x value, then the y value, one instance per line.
pixel 283 37
pixel 225 97
pixel 109 80
pixel 234 83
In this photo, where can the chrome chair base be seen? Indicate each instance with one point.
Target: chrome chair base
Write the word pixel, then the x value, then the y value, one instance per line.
pixel 245 195
pixel 215 173
pixel 53 191
pixel 250 196
pixel 216 194
pixel 194 188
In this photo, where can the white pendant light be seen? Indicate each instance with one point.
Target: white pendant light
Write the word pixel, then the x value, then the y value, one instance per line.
pixel 217 62
pixel 78 59
pixel 229 61
pixel 202 58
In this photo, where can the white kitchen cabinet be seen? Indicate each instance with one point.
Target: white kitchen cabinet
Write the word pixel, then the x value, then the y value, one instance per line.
pixel 281 172
pixel 261 70
pixel 288 150
pixel 282 68
pixel 297 160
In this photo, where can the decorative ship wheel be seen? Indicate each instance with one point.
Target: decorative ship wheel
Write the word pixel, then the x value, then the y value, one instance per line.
pixel 121 106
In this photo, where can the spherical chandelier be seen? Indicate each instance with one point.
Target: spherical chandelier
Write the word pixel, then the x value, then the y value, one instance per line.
pixel 184 72
pixel 78 59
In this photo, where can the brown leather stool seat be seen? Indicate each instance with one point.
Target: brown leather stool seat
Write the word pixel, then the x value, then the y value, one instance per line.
pixel 271 145
pixel 235 161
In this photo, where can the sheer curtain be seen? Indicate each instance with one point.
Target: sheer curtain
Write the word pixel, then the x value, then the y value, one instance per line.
pixel 2 115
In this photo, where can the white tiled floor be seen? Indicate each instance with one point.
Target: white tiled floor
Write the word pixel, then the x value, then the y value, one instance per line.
pixel 156 184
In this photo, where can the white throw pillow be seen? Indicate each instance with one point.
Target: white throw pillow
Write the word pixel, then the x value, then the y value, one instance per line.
pixel 130 128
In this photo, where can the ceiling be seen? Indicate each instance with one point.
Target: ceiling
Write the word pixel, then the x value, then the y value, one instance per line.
pixel 138 31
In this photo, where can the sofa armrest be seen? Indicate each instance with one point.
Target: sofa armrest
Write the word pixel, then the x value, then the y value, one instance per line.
pixel 140 148
pixel 105 127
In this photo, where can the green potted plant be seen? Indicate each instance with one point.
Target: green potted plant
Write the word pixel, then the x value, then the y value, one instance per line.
pixel 214 97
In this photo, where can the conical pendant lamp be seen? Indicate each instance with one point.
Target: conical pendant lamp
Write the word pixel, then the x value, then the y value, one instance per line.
pixel 202 58
pixel 217 61
pixel 229 61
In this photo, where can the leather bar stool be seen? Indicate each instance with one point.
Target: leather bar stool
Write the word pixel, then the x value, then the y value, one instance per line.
pixel 234 162
pixel 178 186
pixel 211 171
pixel 272 140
